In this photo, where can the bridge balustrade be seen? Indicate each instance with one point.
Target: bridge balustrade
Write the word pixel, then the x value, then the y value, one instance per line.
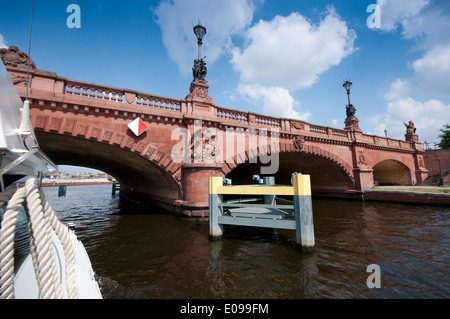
pixel 318 129
pixel 239 116
pixel 232 115
pixel 110 94
pixel 268 121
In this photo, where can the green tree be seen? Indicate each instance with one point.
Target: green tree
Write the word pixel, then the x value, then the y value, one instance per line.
pixel 445 137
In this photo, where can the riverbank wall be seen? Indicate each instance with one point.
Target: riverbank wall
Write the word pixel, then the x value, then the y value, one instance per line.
pixel 47 182
pixel 409 197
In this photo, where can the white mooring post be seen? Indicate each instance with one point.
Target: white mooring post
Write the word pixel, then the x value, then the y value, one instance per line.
pixel 304 224
pixel 269 181
pixel 215 229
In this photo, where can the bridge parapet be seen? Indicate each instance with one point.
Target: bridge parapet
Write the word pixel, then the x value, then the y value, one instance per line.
pixel 112 94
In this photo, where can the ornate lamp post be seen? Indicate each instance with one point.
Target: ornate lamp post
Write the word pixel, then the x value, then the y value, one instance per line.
pixel 199 70
pixel 347 85
pixel 441 178
pixel 199 87
pixel 350 108
pixel 351 122
pixel 200 32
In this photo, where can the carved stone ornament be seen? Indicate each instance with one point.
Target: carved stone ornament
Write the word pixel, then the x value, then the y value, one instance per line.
pixel 299 143
pixel 199 92
pixel 351 124
pixel 362 158
pixel 206 149
pixel 210 151
pixel 298 126
pixel 18 79
pixel 130 98
pixel 421 164
pixel 13 57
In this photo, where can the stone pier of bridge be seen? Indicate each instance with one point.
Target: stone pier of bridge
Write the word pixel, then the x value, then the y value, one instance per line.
pixel 189 139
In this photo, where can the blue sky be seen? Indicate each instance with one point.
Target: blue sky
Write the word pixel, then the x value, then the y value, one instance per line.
pixel 286 58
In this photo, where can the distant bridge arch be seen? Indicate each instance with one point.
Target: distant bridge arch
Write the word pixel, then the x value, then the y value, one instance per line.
pixel 391 172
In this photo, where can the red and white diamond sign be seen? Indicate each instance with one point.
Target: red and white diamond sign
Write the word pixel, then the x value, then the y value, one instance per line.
pixel 138 126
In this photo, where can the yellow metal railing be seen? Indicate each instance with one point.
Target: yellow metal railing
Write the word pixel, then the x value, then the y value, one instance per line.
pixel 301 185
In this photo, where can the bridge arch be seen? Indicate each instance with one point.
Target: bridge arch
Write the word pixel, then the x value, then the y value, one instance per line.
pixel 391 172
pixel 328 172
pixel 139 170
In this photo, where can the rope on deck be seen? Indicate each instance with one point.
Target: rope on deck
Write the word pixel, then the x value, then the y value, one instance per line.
pixel 41 221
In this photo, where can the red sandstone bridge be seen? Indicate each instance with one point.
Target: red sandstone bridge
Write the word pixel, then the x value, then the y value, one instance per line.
pixel 86 124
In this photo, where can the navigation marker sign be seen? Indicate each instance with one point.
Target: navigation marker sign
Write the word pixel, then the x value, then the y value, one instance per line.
pixel 138 126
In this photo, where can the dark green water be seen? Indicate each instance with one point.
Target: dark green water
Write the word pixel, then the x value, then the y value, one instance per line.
pixel 138 252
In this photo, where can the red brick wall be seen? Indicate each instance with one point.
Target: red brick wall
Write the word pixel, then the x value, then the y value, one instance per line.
pixel 431 161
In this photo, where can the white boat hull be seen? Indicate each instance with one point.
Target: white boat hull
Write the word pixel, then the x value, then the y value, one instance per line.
pixel 25 283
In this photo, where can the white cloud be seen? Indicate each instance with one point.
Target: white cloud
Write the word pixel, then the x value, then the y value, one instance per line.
pixel 399 12
pixel 2 42
pixel 222 19
pixel 424 20
pixel 415 98
pixel 276 101
pixel 430 78
pixel 281 55
pixel 288 54
pixel 400 88
pixel 428 118
pixel 432 71
pixel 291 52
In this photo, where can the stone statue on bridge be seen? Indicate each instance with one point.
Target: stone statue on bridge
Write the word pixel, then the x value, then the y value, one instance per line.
pixel 350 110
pixel 199 70
pixel 411 135
pixel 410 128
pixel 351 122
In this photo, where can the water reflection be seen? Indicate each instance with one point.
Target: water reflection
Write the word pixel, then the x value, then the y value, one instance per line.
pixel 140 252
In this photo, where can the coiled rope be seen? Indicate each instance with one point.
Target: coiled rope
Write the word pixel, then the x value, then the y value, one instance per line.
pixel 41 221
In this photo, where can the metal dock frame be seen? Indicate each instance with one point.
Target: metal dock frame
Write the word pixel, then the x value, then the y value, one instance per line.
pixel 301 221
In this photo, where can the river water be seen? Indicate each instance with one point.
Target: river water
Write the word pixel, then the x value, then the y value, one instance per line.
pixel 142 252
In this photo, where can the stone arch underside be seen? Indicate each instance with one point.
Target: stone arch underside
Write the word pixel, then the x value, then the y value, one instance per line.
pixel 391 172
pixel 136 174
pixel 327 174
